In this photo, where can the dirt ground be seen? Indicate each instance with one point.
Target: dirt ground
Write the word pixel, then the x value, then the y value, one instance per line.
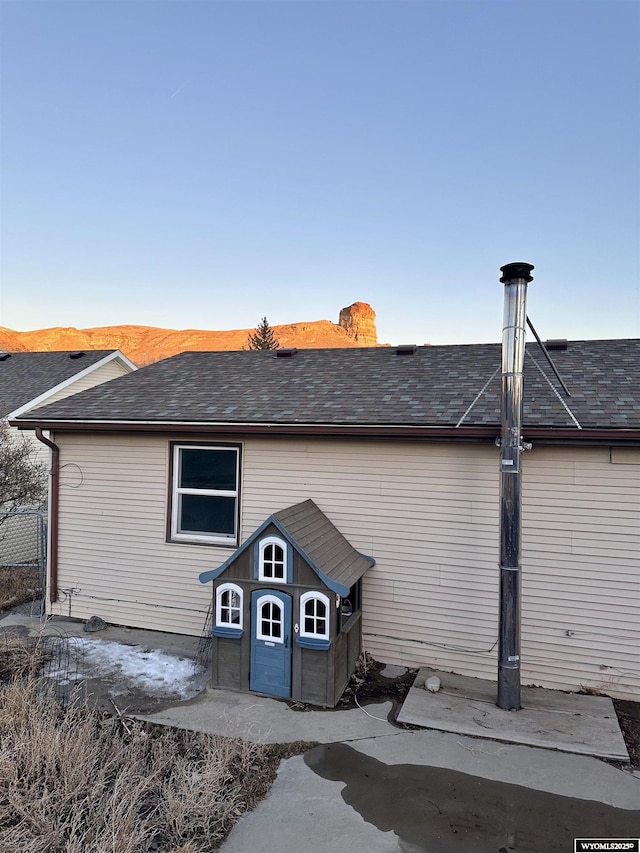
pixel 629 719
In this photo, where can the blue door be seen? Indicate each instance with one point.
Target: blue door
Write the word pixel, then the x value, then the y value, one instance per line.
pixel 271 642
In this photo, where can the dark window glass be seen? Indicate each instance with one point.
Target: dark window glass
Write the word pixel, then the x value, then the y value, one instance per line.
pixel 275 632
pixel 266 628
pixel 207 514
pixel 315 617
pixel 208 469
pixel 273 561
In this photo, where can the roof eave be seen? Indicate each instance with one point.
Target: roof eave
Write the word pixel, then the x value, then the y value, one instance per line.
pixel 244 428
pixel 553 434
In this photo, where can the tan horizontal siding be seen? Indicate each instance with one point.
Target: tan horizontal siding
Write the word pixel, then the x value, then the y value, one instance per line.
pixel 581 558
pixel 428 513
pixel 105 373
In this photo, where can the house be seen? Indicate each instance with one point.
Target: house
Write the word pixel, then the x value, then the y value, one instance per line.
pixel 163 475
pixel 32 379
pixel 29 380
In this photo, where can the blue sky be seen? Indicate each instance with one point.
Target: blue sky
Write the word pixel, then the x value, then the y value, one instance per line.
pixel 202 164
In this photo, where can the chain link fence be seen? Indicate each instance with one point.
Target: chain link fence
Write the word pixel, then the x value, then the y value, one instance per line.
pixel 23 542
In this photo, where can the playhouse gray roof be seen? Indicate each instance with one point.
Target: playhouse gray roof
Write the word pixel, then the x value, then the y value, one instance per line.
pixel 322 544
pixel 318 540
pixel 24 376
pixel 434 386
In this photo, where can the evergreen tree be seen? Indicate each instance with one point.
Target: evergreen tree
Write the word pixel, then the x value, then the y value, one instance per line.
pixel 263 337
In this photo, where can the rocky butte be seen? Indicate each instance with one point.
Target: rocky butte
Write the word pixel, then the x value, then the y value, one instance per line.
pixel 356 327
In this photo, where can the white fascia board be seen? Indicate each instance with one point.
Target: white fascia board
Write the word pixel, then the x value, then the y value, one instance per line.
pixel 42 398
pixel 121 357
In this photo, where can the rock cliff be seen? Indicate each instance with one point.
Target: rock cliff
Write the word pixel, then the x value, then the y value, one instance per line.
pixel 359 322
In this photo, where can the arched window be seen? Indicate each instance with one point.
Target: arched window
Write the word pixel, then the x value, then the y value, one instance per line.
pixel 314 616
pixel 270 616
pixel 229 607
pixel 272 560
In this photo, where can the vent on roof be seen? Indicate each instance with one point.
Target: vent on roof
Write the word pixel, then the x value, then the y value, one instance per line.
pixel 406 349
pixel 4 355
pixel 75 355
pixel 286 353
pixel 556 344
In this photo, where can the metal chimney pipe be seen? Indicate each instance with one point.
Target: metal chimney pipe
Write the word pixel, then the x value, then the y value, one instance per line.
pixel 515 277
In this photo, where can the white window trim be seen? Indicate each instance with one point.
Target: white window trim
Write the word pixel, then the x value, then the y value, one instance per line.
pixel 319 596
pixel 228 587
pixel 176 491
pixel 272 540
pixel 269 599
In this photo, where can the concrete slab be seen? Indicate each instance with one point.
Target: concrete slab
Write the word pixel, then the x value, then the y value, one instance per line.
pixel 304 812
pixel 63 626
pixel 569 722
pixel 264 720
pixel 432 791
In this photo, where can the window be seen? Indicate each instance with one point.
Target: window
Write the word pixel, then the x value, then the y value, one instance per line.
pixel 204 499
pixel 314 616
pixel 270 619
pixel 229 607
pixel 272 560
pixel 350 604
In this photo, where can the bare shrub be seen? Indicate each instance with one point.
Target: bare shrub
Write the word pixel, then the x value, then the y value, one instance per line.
pixel 74 781
pixel 23 480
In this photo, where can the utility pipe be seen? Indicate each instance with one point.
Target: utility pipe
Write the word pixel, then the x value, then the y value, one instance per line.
pixel 53 513
pixel 515 278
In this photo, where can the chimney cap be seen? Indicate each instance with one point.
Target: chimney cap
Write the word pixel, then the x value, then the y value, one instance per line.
pixel 517 269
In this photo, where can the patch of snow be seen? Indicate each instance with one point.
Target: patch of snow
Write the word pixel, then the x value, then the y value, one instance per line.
pixel 152 671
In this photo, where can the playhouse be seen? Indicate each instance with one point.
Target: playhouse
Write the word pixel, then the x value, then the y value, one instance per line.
pixel 287 609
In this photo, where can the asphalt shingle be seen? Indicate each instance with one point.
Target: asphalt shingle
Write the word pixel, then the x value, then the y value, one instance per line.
pixel 24 376
pixel 369 386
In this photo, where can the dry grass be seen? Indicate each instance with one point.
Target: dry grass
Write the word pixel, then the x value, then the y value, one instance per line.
pixel 73 781
pixel 17 585
pixel 20 655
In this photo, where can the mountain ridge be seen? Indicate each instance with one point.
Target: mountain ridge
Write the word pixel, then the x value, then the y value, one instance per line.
pixel 146 344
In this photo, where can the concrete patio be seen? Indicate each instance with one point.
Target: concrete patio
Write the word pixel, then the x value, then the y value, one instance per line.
pixel 569 722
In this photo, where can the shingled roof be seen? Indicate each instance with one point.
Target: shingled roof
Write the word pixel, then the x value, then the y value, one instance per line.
pixel 26 376
pixel 319 542
pixel 435 386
